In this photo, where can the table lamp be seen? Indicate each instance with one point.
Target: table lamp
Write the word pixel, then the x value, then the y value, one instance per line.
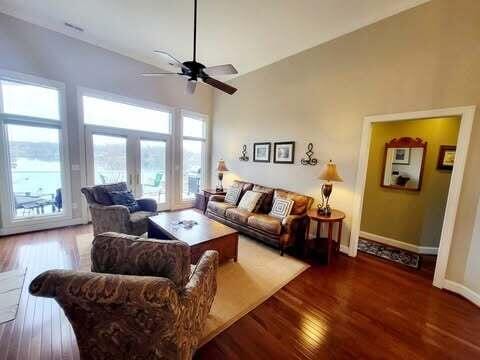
pixel 221 168
pixel 329 174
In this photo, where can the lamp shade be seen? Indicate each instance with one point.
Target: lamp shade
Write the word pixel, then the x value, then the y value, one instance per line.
pixel 329 172
pixel 221 166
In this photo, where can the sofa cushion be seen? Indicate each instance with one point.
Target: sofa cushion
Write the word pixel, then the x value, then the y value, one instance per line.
pixel 267 199
pixel 101 193
pixel 238 215
pixel 300 202
pixel 250 200
pixel 218 208
pixel 266 223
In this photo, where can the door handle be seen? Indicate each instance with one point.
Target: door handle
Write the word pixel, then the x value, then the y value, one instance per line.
pixel 130 179
pixel 138 179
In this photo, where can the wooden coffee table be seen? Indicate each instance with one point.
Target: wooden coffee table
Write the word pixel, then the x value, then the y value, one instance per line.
pixel 207 235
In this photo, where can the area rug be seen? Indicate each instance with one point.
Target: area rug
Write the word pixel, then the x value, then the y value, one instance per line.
pixel 11 284
pixel 389 253
pixel 242 286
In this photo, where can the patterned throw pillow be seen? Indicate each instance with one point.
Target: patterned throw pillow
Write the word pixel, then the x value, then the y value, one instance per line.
pixel 281 208
pixel 250 200
pixel 125 198
pixel 232 196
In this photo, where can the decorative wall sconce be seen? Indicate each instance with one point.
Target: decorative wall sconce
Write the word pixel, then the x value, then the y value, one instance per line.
pixel 244 156
pixel 309 153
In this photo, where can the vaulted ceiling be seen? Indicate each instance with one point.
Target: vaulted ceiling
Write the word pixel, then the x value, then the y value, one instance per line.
pixel 248 33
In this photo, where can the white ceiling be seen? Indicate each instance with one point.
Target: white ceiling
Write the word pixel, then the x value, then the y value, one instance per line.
pixel 247 33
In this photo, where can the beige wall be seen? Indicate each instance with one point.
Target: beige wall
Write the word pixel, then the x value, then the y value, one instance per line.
pixel 33 50
pixel 414 217
pixel 424 58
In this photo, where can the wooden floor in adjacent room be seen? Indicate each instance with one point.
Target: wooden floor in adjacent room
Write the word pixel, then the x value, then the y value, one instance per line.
pixel 354 308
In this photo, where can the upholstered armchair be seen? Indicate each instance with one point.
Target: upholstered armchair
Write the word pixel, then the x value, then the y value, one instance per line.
pixel 142 299
pixel 109 217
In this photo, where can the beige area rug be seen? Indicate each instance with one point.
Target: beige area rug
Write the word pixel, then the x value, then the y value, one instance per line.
pixel 242 286
pixel 11 285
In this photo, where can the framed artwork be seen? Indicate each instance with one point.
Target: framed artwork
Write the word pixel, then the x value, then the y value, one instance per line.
pixel 261 152
pixel 446 157
pixel 401 156
pixel 284 152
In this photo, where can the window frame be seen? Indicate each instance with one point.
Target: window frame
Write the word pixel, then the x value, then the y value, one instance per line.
pixel 9 219
pixel 205 153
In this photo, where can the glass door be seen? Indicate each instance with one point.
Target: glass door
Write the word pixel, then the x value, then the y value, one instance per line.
pixel 139 159
pixel 153 174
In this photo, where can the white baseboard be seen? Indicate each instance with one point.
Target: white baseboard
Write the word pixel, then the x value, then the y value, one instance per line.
pixel 344 249
pixel 37 227
pixel 424 250
pixel 462 290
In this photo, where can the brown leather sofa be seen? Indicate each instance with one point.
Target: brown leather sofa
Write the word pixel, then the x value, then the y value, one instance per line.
pixel 274 231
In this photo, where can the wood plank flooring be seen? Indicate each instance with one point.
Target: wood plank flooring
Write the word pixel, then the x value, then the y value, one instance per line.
pixel 354 308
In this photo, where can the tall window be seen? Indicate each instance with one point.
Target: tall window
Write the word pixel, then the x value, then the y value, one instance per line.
pixel 194 137
pixel 30 117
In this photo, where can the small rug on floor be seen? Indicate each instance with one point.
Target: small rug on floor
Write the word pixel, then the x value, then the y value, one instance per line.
pixel 389 253
pixel 11 285
pixel 241 287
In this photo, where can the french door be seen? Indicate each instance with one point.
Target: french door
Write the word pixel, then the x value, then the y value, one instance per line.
pixel 140 159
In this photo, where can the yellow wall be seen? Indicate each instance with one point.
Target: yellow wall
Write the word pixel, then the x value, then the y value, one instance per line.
pixel 409 216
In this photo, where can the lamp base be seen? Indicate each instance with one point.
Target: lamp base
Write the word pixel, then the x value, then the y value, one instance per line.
pixel 325 210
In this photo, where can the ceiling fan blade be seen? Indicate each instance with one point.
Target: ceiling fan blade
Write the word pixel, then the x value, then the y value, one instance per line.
pixel 172 60
pixel 227 69
pixel 219 85
pixel 158 74
pixel 191 85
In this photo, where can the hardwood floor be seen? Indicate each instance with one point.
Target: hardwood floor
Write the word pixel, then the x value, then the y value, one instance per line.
pixel 354 308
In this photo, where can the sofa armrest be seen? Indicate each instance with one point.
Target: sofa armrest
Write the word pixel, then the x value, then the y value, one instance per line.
pixel 115 253
pixel 291 223
pixel 147 204
pixel 70 287
pixel 218 198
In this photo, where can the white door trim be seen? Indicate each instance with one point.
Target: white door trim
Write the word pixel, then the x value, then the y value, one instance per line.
pixel 467 114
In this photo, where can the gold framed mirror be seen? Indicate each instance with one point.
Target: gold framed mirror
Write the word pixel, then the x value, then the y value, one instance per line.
pixel 404 163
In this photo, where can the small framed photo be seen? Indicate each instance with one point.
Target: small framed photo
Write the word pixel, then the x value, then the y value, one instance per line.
pixel 446 157
pixel 261 152
pixel 284 152
pixel 401 156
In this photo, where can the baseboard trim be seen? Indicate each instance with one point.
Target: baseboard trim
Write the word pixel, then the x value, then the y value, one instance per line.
pixel 463 291
pixel 344 249
pixel 37 227
pixel 424 250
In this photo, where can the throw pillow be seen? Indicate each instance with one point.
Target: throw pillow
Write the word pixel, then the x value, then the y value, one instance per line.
pixel 232 196
pixel 250 200
pixel 281 208
pixel 125 198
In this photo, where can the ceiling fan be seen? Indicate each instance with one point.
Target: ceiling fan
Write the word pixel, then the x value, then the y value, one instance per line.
pixel 196 71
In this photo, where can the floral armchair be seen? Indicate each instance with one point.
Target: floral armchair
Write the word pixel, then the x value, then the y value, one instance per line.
pixel 142 300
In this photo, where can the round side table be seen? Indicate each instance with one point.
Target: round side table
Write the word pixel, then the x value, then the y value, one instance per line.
pixel 336 217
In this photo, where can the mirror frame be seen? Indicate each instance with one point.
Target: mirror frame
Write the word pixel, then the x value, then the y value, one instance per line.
pixel 404 142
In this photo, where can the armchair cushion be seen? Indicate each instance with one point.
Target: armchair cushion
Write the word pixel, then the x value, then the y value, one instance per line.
pixel 101 193
pixel 115 253
pixel 125 198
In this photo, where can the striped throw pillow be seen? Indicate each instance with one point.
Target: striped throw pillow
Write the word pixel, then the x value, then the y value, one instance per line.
pixel 281 208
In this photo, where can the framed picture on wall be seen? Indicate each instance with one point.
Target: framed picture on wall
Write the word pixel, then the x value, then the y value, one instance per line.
pixel 446 157
pixel 401 156
pixel 284 152
pixel 261 152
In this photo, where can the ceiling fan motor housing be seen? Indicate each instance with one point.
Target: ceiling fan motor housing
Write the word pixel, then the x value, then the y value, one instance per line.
pixel 196 70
